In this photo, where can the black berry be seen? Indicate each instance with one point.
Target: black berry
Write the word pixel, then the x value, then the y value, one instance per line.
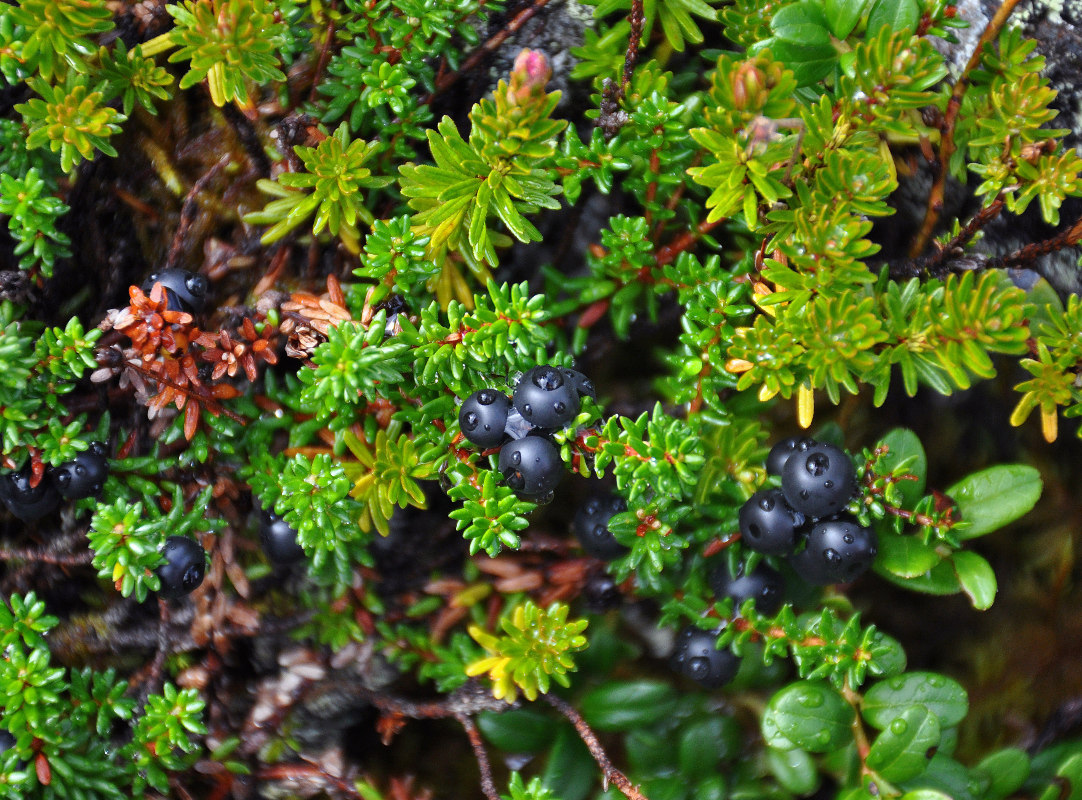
pixel 695 656
pixel 184 290
pixel 601 593
pixel 767 523
pixel 26 503
pixel 84 476
pixel 779 453
pixel 546 398
pixel 184 567
pixel 279 540
pixel 7 741
pixel 582 385
pixel 483 416
pixel 764 585
pixel 818 481
pixel 531 466
pixel 591 526
pixel 838 550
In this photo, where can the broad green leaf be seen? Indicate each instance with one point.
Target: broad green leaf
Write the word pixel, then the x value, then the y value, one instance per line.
pixel 905 556
pixel 900 15
pixel 703 744
pixel 807 714
pixel 802 24
pixel 809 62
pixel 1070 779
pixel 1007 770
pixel 903 750
pixel 570 772
pixel 905 448
pixel 925 794
pixel 939 580
pixel 888 699
pixel 521 730
pixel 994 497
pixel 626 705
pixel 795 770
pixel 976 577
pixel 843 15
pixel 946 775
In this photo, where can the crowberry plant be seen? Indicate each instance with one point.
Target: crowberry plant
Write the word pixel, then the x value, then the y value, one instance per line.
pixel 377 361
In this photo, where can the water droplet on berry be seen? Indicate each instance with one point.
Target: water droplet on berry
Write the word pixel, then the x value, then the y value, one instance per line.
pixel 899 727
pixel 516 457
pixel 193 576
pixel 527 411
pixel 486 397
pixel 828 484
pixel 831 556
pixel 548 379
pixel 600 530
pixel 766 503
pixel 559 407
pixel 803 494
pixel 848 538
pixel 698 668
pixel 817 464
pixel 469 422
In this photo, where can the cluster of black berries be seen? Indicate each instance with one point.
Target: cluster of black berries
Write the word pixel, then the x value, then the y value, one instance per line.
pixel 73 480
pixel 817 482
pixel 544 399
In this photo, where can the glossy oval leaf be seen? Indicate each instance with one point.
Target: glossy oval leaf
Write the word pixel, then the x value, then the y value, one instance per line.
pixel 520 730
pixel 939 580
pixel 900 15
pixel 905 451
pixel 843 15
pixel 905 556
pixel 801 23
pixel 993 497
pixel 1007 770
pixel 810 715
pixel 905 747
pixel 976 578
pixel 889 699
pixel 794 769
pixel 570 772
pixel 626 705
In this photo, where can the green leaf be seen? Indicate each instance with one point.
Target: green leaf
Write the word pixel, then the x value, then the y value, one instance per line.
pixel 976 577
pixel 942 696
pixel 905 556
pixel 801 23
pixel 794 769
pixel 994 497
pixel 570 772
pixel 626 705
pixel 899 15
pixel 809 715
pixel 521 730
pixel 903 750
pixel 702 746
pixel 905 448
pixel 843 15
pixel 1007 770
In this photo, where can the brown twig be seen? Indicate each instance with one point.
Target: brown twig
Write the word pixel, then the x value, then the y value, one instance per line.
pixel 589 738
pixel 934 263
pixel 448 79
pixel 188 210
pixel 488 786
pixel 946 142
pixel 41 555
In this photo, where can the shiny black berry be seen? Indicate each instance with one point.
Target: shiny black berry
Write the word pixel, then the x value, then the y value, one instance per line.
pixel 483 416
pixel 184 567
pixel 7 741
pixel 779 453
pixel 695 656
pixel 838 551
pixel 546 397
pixel 279 540
pixel 819 481
pixel 591 526
pixel 582 385
pixel 601 593
pixel 184 290
pixel 26 503
pixel 767 523
pixel 531 466
pixel 84 476
pixel 763 584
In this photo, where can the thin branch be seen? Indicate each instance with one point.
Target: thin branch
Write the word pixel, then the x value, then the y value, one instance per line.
pixel 589 738
pixel 488 786
pixel 946 142
pixel 447 80
pixel 43 556
pixel 188 209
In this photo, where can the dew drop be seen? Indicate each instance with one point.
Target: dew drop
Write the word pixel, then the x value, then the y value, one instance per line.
pixel 831 556
pixel 516 458
pixel 848 538
pixel 559 407
pixel 898 727
pixel 817 464
pixel 470 421
pixel 527 410
pixel 767 503
pixel 812 700
pixel 935 681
